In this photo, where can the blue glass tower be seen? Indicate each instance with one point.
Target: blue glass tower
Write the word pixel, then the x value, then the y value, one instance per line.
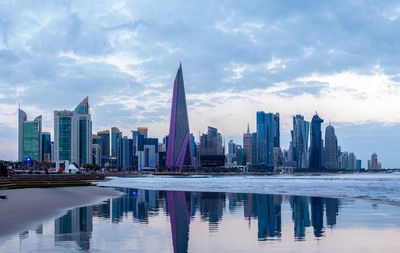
pixel 316 144
pixel 267 137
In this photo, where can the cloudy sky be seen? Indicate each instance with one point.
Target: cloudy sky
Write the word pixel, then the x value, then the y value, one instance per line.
pixel 340 58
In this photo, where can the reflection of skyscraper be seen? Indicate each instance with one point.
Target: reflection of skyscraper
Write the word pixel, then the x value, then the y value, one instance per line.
pixel 317 215
pixel 212 206
pixel 269 216
pixel 179 152
pixel 300 216
pixel 332 210
pixel 179 204
pixel 76 225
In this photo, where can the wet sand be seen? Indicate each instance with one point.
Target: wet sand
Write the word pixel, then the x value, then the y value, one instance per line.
pixel 26 208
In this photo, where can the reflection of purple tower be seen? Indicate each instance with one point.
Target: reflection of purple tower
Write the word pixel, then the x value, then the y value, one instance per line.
pixel 179 152
pixel 179 213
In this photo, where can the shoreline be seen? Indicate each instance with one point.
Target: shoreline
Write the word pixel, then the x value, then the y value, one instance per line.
pixel 24 209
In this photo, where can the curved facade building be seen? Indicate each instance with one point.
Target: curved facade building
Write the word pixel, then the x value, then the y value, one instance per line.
pixel 179 152
pixel 331 148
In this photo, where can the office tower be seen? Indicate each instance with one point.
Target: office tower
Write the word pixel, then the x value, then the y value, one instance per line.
pixel 254 148
pixel 143 131
pixel 241 156
pixel 179 152
pixel 147 152
pixel 96 139
pixel 344 160
pixel 96 154
pixel 73 135
pixel 316 145
pixel 331 148
pixel 85 132
pixel 46 147
pixel 21 119
pixel 116 135
pixel 105 146
pixel 247 145
pixel 352 161
pixel 267 137
pixel 278 157
pixel 105 142
pixel 29 137
pixel 374 161
pixel 358 165
pixel 32 139
pixel 231 147
pixel 299 143
pixel 211 149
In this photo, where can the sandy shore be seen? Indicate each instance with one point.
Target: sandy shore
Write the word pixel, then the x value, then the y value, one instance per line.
pixel 26 208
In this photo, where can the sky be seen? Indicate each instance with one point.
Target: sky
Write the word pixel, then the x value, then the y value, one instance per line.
pixel 340 58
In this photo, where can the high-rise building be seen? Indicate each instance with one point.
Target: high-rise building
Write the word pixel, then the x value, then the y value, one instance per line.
pixel 96 154
pixel 247 145
pixel 46 147
pixel 105 146
pixel 374 161
pixel 143 131
pixel 352 161
pixel 268 136
pixel 231 147
pixel 358 165
pixel 316 144
pixel 85 132
pixel 344 160
pixel 331 148
pixel 116 135
pixel 179 152
pixel 299 143
pixel 73 134
pixel 21 119
pixel 29 137
pixel 254 148
pixel 212 153
pixel 147 152
pixel 32 139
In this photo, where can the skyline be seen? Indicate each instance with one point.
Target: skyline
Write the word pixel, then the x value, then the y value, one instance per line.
pixel 124 59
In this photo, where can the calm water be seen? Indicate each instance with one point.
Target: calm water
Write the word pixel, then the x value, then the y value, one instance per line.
pixel 173 221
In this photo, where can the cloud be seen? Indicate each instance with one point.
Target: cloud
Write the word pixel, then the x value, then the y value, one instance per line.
pixel 238 57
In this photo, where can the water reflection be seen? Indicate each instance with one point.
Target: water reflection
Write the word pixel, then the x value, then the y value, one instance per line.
pixel 184 209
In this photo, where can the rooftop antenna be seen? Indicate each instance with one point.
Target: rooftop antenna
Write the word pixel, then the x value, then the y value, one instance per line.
pixel 248 127
pixel 19 104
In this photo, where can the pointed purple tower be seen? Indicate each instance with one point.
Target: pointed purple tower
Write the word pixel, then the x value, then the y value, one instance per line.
pixel 179 151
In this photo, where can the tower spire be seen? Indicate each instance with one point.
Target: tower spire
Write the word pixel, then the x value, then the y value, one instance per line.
pixel 248 128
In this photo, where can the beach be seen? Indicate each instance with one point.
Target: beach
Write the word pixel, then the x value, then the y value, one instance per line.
pixel 24 208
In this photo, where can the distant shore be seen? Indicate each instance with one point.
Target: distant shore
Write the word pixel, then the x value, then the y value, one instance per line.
pixel 23 209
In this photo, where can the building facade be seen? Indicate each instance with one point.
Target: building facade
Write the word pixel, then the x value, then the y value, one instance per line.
pixel 46 147
pixel 331 148
pixel 179 151
pixel 268 137
pixel 299 144
pixel 247 145
pixel 316 145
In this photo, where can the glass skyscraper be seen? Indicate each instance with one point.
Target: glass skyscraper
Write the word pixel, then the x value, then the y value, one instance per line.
pixel 316 145
pixel 73 134
pixel 299 144
pixel 29 137
pixel 331 148
pixel 268 137
pixel 46 147
pixel 179 150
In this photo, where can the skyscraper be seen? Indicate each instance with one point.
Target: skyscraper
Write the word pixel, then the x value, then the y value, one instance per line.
pixel 247 145
pixel 46 147
pixel 73 134
pixel 299 144
pixel 115 136
pixel 316 144
pixel 374 161
pixel 29 137
pixel 85 132
pixel 179 152
pixel 21 119
pixel 268 136
pixel 331 148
